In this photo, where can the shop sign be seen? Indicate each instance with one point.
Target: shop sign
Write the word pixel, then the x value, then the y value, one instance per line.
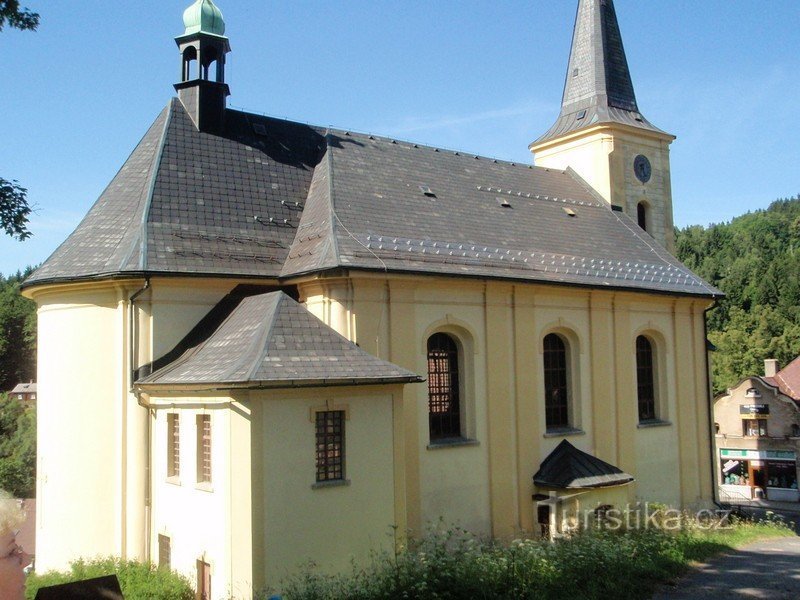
pixel 729 465
pixel 754 410
pixel 757 454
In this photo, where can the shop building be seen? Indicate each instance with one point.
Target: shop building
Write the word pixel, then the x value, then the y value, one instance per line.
pixel 757 437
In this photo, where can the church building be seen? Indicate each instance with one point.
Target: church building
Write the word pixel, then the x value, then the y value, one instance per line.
pixel 269 343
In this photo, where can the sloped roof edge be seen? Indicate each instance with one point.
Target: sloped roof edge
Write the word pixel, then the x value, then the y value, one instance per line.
pixel 568 467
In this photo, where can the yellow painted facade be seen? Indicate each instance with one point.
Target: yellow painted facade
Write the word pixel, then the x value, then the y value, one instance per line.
pixel 107 483
pixel 604 155
pixel 261 517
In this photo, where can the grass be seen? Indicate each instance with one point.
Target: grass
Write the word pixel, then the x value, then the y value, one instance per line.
pixel 594 564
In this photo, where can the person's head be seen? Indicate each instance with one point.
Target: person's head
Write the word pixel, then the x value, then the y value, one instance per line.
pixel 12 557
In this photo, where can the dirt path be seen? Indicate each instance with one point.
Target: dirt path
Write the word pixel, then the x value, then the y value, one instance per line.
pixel 768 569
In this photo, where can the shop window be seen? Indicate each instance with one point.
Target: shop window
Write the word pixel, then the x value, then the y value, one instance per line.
pixel 735 472
pixel 754 427
pixel 330 445
pixel 782 474
pixel 645 379
pixel 556 382
pixel 444 406
pixel 173 445
pixel 203 448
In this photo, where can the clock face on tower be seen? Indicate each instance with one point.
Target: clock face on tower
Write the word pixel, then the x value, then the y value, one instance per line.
pixel 642 168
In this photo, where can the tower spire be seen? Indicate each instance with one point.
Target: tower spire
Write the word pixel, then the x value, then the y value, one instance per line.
pixel 598 87
pixel 203 47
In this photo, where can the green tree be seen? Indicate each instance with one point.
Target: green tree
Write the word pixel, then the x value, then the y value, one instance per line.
pixel 17 448
pixel 14 208
pixel 17 333
pixel 755 261
pixel 18 18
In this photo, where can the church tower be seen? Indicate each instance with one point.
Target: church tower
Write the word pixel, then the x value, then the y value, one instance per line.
pixel 203 47
pixel 600 132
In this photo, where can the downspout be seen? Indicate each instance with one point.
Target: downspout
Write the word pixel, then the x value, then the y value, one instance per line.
pixel 133 354
pixel 710 403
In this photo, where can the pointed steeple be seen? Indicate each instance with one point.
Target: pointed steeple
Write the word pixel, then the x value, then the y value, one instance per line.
pixel 598 87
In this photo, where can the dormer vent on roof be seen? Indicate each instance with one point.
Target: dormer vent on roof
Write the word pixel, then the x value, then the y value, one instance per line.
pixel 203 47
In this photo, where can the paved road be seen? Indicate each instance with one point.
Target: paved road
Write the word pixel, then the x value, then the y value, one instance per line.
pixel 768 569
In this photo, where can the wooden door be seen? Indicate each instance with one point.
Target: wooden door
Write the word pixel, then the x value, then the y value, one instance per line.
pixel 203 581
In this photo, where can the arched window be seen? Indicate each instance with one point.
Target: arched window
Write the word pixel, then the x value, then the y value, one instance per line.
pixel 645 379
pixel 189 57
pixel 444 411
pixel 556 387
pixel 641 215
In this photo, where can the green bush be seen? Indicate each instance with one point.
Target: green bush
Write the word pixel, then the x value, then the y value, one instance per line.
pixel 139 581
pixel 593 564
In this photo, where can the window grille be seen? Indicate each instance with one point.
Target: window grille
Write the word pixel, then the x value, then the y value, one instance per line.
pixel 444 414
pixel 204 448
pixel 645 379
pixel 173 445
pixel 330 445
pixel 556 389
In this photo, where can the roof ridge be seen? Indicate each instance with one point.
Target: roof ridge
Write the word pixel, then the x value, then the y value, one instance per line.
pixel 189 352
pixel 330 130
pixel 331 197
pixel 264 341
pixel 154 167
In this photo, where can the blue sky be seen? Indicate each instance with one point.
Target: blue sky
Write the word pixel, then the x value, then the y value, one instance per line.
pixel 483 77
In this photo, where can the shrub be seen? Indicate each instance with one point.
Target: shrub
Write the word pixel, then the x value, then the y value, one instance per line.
pixel 592 564
pixel 139 581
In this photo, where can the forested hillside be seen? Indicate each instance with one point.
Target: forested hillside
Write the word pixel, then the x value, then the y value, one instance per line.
pixel 755 260
pixel 17 333
pixel 17 364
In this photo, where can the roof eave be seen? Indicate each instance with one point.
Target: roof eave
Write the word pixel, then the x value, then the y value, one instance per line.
pixel 152 388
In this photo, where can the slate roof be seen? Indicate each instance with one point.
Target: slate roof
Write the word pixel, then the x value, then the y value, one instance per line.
pixel 272 198
pixel 269 340
pixel 191 202
pixel 368 209
pixel 567 467
pixel 24 388
pixel 787 380
pixel 598 87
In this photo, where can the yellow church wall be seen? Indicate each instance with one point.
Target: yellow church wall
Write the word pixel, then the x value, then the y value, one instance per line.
pixel 587 154
pixel 298 520
pixel 503 325
pixel 209 522
pixel 175 306
pixel 604 156
pixel 79 490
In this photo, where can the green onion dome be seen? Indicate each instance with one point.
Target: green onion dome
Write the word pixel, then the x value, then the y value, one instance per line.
pixel 203 17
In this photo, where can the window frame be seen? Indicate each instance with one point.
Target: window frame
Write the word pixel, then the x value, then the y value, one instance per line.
pixel 164 551
pixel 557 378
pixel 173 446
pixel 761 428
pixel 643 215
pixel 646 380
pixel 205 470
pixel 330 462
pixel 448 424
